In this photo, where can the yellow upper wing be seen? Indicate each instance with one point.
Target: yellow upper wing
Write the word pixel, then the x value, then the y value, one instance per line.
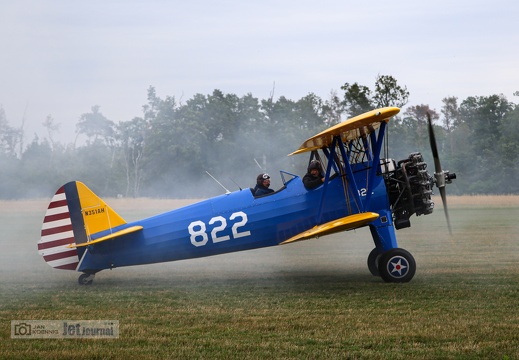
pixel 349 129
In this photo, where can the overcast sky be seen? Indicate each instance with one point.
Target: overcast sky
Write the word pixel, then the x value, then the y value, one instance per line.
pixel 62 57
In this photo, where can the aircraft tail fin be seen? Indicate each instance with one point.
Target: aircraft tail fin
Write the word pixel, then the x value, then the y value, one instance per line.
pixel 73 214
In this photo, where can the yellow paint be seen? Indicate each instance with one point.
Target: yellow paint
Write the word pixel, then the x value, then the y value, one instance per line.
pixel 349 129
pixel 97 215
pixel 346 223
pixel 108 237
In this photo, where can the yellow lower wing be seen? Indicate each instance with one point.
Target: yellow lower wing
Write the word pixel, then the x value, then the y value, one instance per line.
pixel 108 237
pixel 346 223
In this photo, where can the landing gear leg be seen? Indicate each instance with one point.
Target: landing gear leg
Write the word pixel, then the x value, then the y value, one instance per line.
pixel 387 260
pixel 384 238
pixel 86 278
pixel 383 232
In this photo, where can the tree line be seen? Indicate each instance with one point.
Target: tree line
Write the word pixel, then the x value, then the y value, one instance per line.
pixel 174 148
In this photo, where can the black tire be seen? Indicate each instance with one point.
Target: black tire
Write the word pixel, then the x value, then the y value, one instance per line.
pixel 85 279
pixel 373 261
pixel 397 266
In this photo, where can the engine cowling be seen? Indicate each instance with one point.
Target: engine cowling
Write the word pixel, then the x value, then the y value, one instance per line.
pixel 409 188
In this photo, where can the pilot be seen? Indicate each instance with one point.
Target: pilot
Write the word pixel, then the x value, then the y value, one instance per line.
pixel 262 185
pixel 314 177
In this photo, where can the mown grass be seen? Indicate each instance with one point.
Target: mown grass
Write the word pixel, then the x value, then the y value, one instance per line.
pixel 314 299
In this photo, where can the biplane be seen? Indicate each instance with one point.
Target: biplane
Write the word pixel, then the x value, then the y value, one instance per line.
pixel 361 187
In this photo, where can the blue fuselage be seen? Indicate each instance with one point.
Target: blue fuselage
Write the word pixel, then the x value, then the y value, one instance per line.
pixel 233 222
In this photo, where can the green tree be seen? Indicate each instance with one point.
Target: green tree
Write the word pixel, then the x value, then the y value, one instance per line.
pixel 131 139
pixel 52 128
pixel 508 149
pixel 333 109
pixel 389 93
pixel 37 165
pixel 10 173
pixel 483 117
pixel 290 123
pixel 450 113
pixel 418 114
pixel 95 126
pixel 225 134
pixel 357 99
pixel 10 137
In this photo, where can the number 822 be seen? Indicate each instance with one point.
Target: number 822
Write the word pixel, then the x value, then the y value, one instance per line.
pixel 200 237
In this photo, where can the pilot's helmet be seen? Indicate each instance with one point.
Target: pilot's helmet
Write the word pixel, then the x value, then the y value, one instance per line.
pixel 261 177
pixel 315 164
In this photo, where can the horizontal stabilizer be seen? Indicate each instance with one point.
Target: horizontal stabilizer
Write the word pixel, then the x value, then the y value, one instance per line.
pixel 108 237
pixel 346 223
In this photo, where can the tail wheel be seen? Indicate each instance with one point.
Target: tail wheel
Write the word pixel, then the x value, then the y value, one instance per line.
pixel 373 261
pixel 86 279
pixel 397 266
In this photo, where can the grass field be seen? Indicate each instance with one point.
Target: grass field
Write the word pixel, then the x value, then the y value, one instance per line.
pixel 312 299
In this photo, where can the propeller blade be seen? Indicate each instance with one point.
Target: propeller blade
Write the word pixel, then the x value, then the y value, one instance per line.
pixel 434 148
pixel 438 172
pixel 443 195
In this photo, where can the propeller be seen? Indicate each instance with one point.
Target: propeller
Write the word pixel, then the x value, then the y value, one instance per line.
pixel 441 177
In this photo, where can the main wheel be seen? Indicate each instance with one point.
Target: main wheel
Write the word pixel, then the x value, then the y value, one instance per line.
pixel 397 265
pixel 373 260
pixel 86 279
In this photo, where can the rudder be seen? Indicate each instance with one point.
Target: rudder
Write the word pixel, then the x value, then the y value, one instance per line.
pixel 74 213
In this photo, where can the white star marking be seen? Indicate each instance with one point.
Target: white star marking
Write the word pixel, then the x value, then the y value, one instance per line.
pixel 398 267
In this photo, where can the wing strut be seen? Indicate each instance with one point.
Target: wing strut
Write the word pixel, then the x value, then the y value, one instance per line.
pixel 376 159
pixel 326 179
pixel 352 184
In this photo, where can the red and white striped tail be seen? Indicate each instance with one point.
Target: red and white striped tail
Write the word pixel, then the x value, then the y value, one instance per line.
pixel 57 233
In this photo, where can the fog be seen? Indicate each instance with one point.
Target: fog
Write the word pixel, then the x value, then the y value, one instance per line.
pixel 60 58
pixel 24 271
pixel 482 239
